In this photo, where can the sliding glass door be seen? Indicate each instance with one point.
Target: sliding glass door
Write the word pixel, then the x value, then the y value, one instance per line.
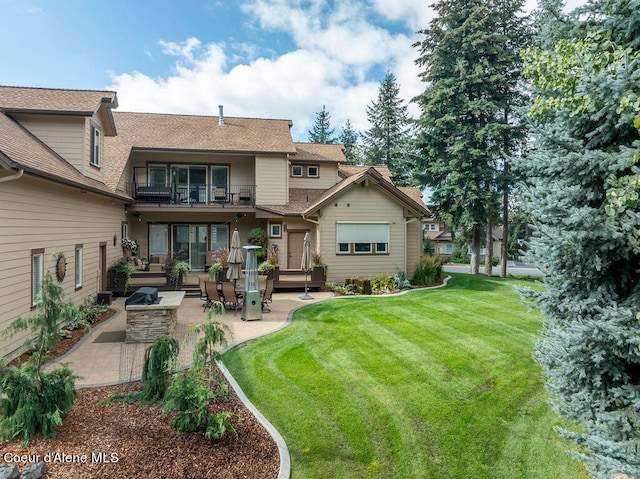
pixel 190 245
pixel 191 183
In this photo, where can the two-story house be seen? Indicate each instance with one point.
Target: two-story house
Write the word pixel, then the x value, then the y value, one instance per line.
pixel 76 177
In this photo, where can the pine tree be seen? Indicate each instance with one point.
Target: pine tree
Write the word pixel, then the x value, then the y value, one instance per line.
pixel 466 128
pixel 583 189
pixel 387 141
pixel 322 132
pixel 349 138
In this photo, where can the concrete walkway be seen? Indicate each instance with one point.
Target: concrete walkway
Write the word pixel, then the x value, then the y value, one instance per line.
pixel 102 358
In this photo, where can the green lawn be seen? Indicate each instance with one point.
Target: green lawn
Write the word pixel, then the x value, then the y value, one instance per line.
pixel 430 384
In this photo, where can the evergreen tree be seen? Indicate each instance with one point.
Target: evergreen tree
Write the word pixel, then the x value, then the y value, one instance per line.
pixel 349 138
pixel 583 189
pixel 387 141
pixel 466 128
pixel 322 131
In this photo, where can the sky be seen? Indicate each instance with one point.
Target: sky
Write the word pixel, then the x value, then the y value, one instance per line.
pixel 282 59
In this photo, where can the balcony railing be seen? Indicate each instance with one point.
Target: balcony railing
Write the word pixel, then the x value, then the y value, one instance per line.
pixel 214 195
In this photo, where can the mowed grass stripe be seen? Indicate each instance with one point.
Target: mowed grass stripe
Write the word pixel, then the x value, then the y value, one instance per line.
pixel 431 384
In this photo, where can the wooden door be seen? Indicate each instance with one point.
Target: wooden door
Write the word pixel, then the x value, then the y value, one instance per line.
pixel 295 245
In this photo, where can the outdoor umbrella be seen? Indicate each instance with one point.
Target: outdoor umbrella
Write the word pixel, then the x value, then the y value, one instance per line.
pixel 235 258
pixel 306 264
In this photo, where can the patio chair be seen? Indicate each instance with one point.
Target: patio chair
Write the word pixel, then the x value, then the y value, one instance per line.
pixel 220 194
pixel 229 295
pixel 267 296
pixel 213 295
pixel 244 195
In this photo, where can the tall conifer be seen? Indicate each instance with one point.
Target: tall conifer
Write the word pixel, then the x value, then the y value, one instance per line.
pixel 583 189
pixel 387 142
pixel 466 128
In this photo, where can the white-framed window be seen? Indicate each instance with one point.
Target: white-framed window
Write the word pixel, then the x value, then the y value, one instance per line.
pixel 313 171
pixel 431 227
pixel 79 265
pixel 158 239
pixel 275 230
pixel 124 230
pixel 96 138
pixel 362 237
pixel 296 170
pixel 37 274
pixel 448 248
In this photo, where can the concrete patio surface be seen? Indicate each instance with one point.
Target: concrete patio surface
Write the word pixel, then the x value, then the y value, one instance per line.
pixel 105 359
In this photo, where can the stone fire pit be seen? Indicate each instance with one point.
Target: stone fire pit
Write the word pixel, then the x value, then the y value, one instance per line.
pixel 145 322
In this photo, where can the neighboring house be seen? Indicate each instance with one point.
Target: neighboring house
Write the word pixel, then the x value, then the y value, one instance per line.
pixel 53 196
pixel 180 184
pixel 440 235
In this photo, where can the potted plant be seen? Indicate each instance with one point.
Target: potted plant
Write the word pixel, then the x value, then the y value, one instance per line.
pixel 177 273
pixel 129 247
pixel 215 270
pixel 265 268
pixel 318 267
pixel 119 274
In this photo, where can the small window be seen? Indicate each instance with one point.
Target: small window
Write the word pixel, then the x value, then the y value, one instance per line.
pixel 343 248
pixel 79 264
pixel 275 230
pixel 95 146
pixel 362 248
pixel 312 171
pixel 37 274
pixel 296 170
pixel 382 247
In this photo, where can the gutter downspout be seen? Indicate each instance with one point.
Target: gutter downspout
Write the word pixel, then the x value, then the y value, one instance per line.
pixel 16 176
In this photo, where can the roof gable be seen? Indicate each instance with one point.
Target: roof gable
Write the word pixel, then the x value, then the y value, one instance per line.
pixel 371 175
pixel 19 149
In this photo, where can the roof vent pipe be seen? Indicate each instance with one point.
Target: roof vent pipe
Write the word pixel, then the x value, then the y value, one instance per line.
pixel 220 116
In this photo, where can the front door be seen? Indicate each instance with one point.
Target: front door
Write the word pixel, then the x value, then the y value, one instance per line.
pixel 295 245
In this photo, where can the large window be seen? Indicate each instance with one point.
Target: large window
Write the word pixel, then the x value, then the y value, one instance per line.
pixel 362 237
pixel 79 266
pixel 37 274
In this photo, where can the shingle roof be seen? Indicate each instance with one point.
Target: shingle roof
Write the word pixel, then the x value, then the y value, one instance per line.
pixel 319 153
pixel 52 100
pixel 155 131
pixel 349 170
pixel 22 150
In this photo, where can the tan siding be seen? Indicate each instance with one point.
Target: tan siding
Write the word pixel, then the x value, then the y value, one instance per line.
pixel 64 135
pixel 414 245
pixel 327 178
pixel 39 214
pixel 271 180
pixel 362 204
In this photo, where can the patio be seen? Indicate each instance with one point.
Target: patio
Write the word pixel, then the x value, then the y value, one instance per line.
pixel 103 358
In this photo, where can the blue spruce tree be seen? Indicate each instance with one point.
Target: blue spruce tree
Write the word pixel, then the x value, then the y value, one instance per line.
pixel 583 185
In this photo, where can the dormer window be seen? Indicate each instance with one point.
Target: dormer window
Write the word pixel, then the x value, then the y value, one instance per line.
pixel 95 146
pixel 312 171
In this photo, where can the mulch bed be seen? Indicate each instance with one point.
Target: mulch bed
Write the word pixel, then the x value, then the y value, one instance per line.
pixel 137 441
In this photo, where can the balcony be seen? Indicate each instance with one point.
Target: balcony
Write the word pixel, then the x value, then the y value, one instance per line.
pixel 190 195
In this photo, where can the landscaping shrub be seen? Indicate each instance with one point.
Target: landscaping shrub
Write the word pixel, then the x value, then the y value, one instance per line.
pixel 91 311
pixel 360 285
pixel 460 255
pixel 428 270
pixel 204 351
pixel 383 283
pixel 158 361
pixel 31 400
pixel 34 401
